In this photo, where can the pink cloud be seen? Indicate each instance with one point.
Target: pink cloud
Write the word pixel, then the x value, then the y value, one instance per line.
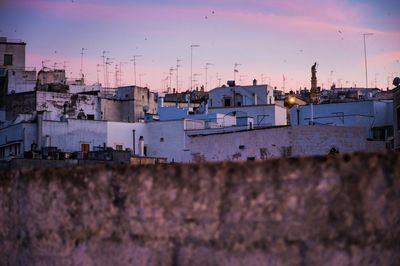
pixel 308 14
pixel 386 57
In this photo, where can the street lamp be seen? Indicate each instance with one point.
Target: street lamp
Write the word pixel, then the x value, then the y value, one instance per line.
pixel 365 59
pixel 191 64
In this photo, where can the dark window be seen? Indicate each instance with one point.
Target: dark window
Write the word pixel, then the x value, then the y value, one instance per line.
pixel 8 59
pixel 161 139
pixel 90 117
pixel 227 102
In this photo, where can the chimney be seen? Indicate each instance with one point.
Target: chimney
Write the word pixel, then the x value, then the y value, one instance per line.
pixel 141 146
pixel 254 82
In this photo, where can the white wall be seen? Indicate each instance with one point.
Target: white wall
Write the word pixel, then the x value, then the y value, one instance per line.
pixel 53 102
pixel 84 88
pixel 121 133
pixel 366 114
pixel 23 133
pixel 174 147
pixel 21 81
pixel 264 115
pixel 268 143
pixel 263 93
pixel 69 135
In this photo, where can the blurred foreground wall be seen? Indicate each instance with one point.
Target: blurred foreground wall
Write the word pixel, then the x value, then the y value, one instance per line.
pixel 339 210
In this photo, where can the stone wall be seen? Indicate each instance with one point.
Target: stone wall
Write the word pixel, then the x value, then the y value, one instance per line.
pixel 339 210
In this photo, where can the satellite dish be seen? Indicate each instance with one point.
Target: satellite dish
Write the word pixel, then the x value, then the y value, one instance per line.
pixel 145 109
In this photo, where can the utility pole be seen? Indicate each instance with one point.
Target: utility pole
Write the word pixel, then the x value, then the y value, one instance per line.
pixel 108 62
pixel 219 80
pixel 177 79
pixel 134 65
pixel 365 59
pixel 206 68
pixel 171 71
pixel 104 67
pixel 235 70
pixel 82 52
pixel 120 72
pixel 98 71
pixel 191 64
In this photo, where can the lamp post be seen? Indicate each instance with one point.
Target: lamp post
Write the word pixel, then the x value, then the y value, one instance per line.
pixel 365 59
pixel 191 64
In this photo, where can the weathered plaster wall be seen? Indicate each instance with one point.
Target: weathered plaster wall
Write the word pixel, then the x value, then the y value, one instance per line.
pixel 262 144
pixel 341 210
pixel 71 134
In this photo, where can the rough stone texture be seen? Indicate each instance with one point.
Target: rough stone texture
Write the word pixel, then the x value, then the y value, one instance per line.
pixel 339 210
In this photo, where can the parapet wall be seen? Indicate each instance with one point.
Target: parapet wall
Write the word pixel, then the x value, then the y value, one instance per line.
pixel 340 210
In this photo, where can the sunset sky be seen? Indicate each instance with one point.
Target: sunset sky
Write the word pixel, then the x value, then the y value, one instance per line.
pixel 269 39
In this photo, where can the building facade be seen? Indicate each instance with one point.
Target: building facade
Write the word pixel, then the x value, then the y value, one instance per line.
pixel 236 96
pixel 15 77
pixel 129 104
pixel 376 117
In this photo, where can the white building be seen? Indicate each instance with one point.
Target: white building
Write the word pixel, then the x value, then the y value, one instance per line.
pixel 241 96
pixel 262 115
pixel 57 105
pixel 15 139
pixel 13 72
pixel 255 103
pixel 376 117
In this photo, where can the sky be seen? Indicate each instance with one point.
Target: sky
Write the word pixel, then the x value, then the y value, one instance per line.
pixel 273 41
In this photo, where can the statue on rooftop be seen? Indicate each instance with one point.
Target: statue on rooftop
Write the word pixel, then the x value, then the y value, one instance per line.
pixel 314 76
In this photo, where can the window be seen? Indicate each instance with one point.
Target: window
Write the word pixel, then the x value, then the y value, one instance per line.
pixel 227 102
pixel 90 117
pixel 8 59
pixel 119 147
pixel 161 139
